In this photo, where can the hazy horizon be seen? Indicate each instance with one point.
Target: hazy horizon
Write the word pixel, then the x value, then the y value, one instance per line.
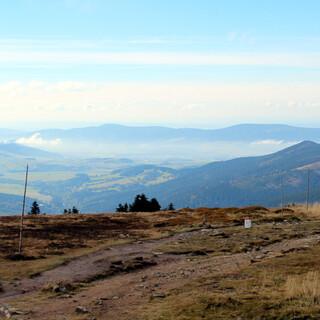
pixel 33 127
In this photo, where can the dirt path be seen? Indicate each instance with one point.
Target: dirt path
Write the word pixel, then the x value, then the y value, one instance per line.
pixel 92 265
pixel 106 298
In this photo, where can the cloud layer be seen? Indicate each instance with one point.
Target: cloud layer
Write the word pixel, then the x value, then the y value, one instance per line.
pixel 36 140
pixel 170 103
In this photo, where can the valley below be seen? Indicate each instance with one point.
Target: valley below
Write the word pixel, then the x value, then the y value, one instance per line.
pixel 96 185
pixel 182 264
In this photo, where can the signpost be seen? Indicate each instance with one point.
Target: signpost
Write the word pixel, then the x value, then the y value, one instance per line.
pixel 247 223
pixel 282 195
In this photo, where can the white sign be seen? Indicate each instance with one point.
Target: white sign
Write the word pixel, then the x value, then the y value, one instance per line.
pixel 247 223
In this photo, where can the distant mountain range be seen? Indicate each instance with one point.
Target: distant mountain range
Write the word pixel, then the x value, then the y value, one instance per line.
pixel 159 144
pixel 243 132
pixel 97 184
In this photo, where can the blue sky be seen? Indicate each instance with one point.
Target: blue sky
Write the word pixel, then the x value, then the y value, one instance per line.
pixel 180 63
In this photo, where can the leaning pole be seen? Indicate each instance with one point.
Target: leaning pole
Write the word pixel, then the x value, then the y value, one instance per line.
pixel 23 210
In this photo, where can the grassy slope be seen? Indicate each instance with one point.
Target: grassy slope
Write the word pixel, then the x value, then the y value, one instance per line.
pixel 280 288
pixel 283 287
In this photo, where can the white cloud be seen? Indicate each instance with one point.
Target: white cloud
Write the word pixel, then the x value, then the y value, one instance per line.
pixel 37 141
pixel 173 103
pixel 268 142
pixel 45 52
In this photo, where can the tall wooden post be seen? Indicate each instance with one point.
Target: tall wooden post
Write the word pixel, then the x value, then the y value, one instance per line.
pixel 282 195
pixel 308 190
pixel 23 210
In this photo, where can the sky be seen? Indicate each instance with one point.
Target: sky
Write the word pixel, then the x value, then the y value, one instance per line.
pixel 180 63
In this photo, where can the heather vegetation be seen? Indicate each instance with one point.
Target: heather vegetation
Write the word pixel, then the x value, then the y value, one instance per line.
pixel 181 264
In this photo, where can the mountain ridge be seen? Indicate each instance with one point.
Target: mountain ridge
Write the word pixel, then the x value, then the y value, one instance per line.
pixel 246 180
pixel 16 149
pixel 243 131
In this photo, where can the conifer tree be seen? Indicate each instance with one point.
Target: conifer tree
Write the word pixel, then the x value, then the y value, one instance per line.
pixel 35 209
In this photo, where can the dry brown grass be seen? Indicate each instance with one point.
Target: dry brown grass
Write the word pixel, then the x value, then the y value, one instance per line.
pixel 304 288
pixel 269 290
pixel 283 287
pixel 53 240
pixel 59 238
pixel 313 210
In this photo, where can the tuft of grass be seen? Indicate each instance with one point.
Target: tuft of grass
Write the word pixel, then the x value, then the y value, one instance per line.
pixel 313 210
pixel 277 288
pixel 304 288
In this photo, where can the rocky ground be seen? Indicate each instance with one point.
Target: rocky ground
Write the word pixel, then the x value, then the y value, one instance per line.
pixel 187 264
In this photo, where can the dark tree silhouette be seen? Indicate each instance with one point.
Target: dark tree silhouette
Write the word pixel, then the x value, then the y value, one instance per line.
pixel 140 204
pixel 154 205
pixel 120 208
pixel 75 210
pixel 35 209
pixel 170 207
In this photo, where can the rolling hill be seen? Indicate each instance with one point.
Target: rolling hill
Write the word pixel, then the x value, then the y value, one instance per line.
pixel 18 150
pixel 251 180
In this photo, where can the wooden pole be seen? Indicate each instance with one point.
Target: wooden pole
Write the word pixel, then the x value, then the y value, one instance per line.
pixel 308 190
pixel 282 195
pixel 23 210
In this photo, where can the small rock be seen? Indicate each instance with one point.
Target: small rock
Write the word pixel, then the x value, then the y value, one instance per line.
pixel 99 302
pixel 144 278
pixel 8 312
pixel 160 295
pixel 81 310
pixel 157 253
pixel 66 296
